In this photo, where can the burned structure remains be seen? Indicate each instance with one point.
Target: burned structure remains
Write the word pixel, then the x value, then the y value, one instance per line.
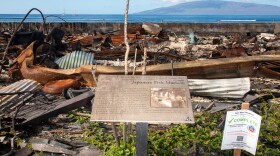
pixel 51 69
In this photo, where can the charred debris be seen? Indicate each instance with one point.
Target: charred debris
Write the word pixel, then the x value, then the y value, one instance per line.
pixel 44 74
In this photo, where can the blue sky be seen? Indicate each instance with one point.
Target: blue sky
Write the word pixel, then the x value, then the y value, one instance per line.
pixel 94 6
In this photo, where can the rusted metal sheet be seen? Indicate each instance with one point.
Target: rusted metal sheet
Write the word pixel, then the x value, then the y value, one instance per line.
pixel 119 39
pixel 25 69
pixel 233 52
pixel 9 103
pixel 89 39
pixel 75 59
pixel 85 40
pixel 56 87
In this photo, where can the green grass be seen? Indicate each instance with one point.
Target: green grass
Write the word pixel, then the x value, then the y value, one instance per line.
pixel 186 139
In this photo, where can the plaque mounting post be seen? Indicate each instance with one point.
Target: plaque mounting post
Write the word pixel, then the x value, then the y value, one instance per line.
pixel 141 139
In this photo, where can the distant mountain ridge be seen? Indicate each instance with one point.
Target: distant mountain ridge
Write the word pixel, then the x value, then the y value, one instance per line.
pixel 216 8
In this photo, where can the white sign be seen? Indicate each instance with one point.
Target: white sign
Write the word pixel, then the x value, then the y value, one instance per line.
pixel 241 131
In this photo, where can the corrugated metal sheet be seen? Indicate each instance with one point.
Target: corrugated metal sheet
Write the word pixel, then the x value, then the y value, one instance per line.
pixel 221 88
pixel 75 59
pixel 8 103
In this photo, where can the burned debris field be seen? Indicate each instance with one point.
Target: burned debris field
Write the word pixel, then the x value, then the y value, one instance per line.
pixel 49 75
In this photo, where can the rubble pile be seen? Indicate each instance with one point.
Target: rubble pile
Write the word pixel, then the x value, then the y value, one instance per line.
pixel 44 75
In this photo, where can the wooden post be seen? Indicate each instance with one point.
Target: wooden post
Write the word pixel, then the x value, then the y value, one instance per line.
pixel 245 106
pixel 134 64
pixel 124 132
pixel 126 55
pixel 237 152
pixel 144 68
pixel 115 134
pixel 126 38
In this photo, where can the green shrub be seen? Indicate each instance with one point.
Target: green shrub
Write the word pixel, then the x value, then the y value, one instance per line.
pixel 186 139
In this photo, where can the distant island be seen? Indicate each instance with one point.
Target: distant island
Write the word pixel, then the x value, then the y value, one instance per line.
pixel 215 8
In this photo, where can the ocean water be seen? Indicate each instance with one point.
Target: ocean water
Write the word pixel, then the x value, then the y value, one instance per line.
pixel 134 18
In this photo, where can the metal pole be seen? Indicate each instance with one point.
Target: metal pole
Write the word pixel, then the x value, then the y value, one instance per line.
pixel 141 139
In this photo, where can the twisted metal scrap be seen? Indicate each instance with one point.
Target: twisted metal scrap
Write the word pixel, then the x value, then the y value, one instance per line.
pixel 10 41
pixel 56 17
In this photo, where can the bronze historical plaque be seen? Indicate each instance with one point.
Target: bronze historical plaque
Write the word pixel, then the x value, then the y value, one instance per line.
pixel 156 99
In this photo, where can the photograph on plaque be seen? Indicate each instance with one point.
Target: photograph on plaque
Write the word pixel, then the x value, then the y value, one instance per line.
pixel 168 98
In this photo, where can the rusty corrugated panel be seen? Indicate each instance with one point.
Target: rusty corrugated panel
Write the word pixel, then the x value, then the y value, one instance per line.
pixel 222 88
pixel 8 103
pixel 75 59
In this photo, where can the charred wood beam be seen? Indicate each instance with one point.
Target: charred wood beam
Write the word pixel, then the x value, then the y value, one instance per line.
pixel 218 68
pixel 62 107
pixel 264 97
pixel 203 69
pixel 266 72
pixel 275 64
pixel 52 149
pixel 119 53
